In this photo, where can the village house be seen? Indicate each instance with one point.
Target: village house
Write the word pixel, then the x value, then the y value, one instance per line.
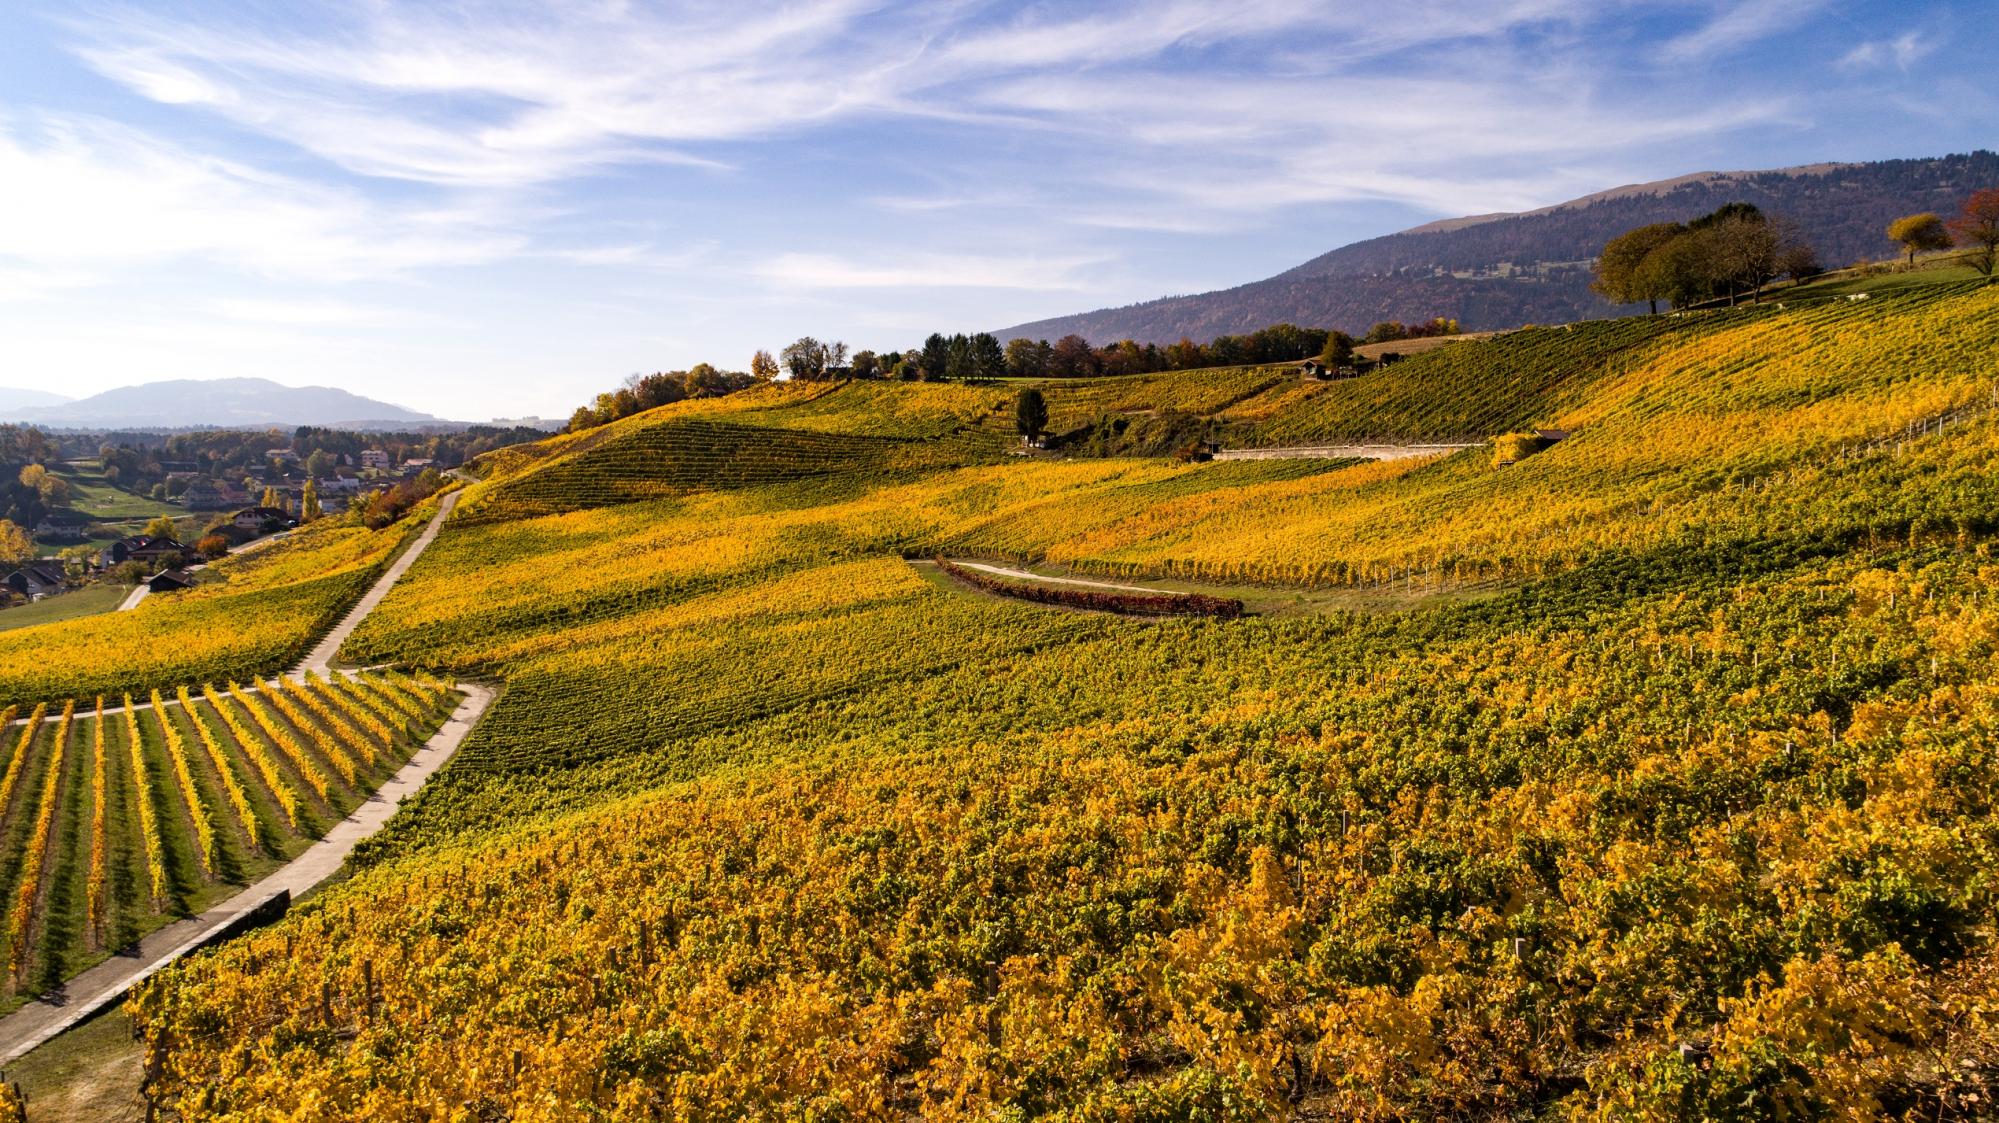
pixel 374 458
pixel 211 495
pixel 36 580
pixel 139 548
pixel 254 519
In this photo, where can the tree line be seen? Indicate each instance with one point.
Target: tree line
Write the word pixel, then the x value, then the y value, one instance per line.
pixel 1732 250
pixel 981 357
pixel 1737 249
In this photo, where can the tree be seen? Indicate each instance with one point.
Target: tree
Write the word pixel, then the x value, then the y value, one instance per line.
pixel 162 526
pixel 866 365
pixel 1621 275
pixel 1030 413
pixel 763 368
pixel 1978 226
pixel 273 499
pixel 1186 355
pixel 958 357
pixel 805 359
pixel 1798 261
pixel 1072 358
pixel 704 381
pixel 211 546
pixel 1338 351
pixel 987 360
pixel 936 360
pixel 308 502
pixel 1919 233
pixel 1027 358
pixel 1746 248
pixel 52 489
pixel 15 544
pixel 320 464
pixel 836 354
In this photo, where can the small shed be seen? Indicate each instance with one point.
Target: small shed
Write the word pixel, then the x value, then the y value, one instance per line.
pixel 170 581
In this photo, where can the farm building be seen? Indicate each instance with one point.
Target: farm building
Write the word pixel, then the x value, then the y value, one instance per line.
pixel 256 518
pixel 170 581
pixel 38 579
pixel 139 548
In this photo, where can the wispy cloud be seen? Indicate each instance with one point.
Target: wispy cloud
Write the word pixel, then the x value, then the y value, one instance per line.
pixel 81 194
pixel 1901 52
pixel 1739 25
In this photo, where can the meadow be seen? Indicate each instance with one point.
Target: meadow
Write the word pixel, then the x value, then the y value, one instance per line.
pixel 1687 813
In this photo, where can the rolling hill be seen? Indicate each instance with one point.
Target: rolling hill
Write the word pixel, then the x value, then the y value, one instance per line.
pixel 222 403
pixel 1503 270
pixel 1650 771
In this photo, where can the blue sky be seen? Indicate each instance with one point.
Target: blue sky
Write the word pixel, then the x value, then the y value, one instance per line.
pixel 484 209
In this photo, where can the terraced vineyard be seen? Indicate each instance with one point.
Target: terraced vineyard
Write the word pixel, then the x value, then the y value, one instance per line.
pixel 1651 780
pixel 689 454
pixel 117 814
pixel 259 618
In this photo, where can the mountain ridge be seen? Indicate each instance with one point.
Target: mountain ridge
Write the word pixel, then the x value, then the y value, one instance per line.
pixel 1498 271
pixel 220 402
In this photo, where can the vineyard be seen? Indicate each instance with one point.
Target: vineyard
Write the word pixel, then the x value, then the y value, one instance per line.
pixel 260 618
pixel 1682 810
pixel 118 814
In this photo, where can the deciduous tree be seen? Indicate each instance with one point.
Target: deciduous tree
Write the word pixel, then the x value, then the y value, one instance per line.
pixel 763 368
pixel 1978 227
pixel 1621 273
pixel 15 544
pixel 805 359
pixel 1919 233
pixel 1072 358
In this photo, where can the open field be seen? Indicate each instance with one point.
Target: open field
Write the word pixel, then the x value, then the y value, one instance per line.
pixel 88 601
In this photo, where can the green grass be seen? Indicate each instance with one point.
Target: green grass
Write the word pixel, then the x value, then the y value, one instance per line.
pixel 105 502
pixel 69 606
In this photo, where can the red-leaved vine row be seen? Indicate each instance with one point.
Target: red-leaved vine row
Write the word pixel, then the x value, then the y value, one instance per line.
pixel 1103 600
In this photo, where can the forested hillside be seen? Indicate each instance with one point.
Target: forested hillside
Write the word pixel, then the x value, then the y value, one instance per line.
pixel 1685 813
pixel 1502 271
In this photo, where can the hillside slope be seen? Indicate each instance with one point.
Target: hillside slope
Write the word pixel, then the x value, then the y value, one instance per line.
pixel 1692 818
pixel 1502 271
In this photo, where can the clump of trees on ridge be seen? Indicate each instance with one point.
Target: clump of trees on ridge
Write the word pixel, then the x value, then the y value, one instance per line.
pixel 1738 249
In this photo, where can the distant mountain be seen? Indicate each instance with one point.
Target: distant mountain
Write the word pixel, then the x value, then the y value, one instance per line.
pixel 12 399
pixel 1504 270
pixel 222 402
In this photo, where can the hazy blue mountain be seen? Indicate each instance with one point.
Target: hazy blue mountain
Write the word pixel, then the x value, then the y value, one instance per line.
pixel 1504 270
pixel 12 399
pixel 225 402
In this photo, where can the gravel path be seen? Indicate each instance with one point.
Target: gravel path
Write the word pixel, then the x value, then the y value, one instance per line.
pixel 1005 571
pixel 321 657
pixel 1339 452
